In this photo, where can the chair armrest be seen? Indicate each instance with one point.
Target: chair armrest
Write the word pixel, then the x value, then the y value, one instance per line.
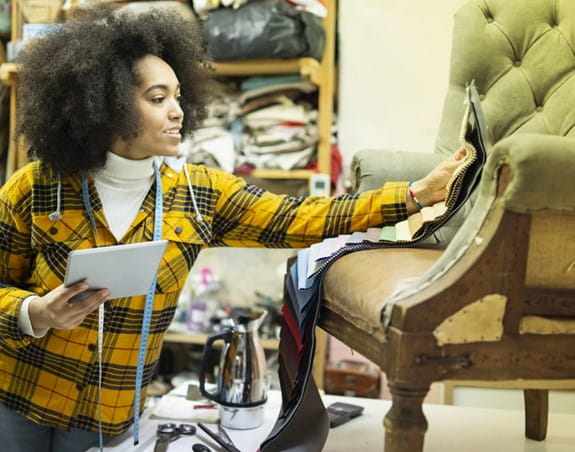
pixel 542 168
pixel 371 168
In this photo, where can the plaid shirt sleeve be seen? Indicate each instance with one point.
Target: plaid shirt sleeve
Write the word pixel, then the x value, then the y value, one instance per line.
pixel 250 217
pixel 15 255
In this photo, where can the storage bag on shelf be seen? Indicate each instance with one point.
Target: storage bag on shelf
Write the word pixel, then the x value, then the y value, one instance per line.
pixel 263 29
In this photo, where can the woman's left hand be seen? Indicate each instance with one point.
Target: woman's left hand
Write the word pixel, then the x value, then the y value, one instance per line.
pixel 56 310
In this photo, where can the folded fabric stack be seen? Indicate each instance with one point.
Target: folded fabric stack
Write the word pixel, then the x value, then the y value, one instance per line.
pixel 267 122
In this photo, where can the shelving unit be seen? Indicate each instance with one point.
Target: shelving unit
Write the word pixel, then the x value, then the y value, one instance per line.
pixel 320 73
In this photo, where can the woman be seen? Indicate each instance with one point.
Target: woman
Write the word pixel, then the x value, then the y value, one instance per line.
pixel 104 104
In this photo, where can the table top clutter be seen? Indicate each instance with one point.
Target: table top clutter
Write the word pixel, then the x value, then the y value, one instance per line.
pixel 451 428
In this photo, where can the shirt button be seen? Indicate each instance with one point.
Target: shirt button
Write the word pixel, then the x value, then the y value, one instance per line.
pixel 178 230
pixel 91 347
pixel 171 175
pixel 53 230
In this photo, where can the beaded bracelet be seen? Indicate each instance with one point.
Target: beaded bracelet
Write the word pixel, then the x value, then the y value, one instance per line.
pixel 417 201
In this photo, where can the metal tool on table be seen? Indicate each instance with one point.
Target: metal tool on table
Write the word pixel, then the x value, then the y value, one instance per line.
pixel 221 438
pixel 241 391
pixel 169 432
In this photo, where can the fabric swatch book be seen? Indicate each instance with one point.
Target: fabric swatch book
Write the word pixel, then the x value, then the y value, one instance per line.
pixel 302 424
pixel 420 225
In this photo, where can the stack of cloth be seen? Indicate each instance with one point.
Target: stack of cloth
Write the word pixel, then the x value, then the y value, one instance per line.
pixel 268 122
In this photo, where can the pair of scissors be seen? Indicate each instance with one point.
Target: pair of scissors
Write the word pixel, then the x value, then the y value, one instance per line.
pixel 221 438
pixel 167 433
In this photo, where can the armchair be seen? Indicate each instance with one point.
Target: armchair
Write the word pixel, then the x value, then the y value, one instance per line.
pixel 498 302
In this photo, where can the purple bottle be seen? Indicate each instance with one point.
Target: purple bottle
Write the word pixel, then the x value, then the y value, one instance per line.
pixel 197 320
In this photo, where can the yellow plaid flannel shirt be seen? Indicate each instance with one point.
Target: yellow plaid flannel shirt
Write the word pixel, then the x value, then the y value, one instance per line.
pixel 53 380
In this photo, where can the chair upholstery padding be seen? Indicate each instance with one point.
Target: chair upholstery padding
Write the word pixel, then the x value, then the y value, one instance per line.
pixel 358 284
pixel 370 168
pixel 521 56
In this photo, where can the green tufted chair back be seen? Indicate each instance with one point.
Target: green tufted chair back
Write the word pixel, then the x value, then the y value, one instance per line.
pixel 521 54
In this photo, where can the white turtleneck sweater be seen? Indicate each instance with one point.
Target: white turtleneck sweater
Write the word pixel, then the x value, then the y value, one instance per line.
pixel 122 186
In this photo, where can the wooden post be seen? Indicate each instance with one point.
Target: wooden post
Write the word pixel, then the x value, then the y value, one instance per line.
pixel 326 89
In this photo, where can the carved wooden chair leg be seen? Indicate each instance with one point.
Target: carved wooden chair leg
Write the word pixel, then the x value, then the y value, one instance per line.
pixel 536 412
pixel 405 424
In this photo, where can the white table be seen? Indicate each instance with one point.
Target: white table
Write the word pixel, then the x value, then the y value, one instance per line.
pixel 451 428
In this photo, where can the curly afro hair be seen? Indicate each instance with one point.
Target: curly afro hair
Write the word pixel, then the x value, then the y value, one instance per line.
pixel 76 84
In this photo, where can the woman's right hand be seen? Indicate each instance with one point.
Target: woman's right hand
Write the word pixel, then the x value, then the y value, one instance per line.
pixel 433 187
pixel 54 310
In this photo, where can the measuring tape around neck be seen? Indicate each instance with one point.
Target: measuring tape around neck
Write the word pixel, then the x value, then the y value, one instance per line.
pixel 157 235
pixel 158 213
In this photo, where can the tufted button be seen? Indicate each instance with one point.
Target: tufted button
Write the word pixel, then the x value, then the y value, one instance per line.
pixel 53 230
pixel 517 63
pixel 481 97
pixel 489 19
pixel 539 108
pixel 80 386
pixel 91 347
pixel 178 230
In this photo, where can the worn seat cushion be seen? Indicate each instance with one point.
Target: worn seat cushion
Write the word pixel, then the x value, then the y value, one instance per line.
pixel 357 285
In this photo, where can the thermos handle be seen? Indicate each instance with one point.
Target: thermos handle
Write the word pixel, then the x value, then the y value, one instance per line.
pixel 215 396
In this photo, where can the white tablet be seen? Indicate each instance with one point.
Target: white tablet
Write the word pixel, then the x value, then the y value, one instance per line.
pixel 125 270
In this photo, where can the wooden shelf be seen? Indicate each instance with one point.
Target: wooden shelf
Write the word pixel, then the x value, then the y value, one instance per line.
pixel 307 67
